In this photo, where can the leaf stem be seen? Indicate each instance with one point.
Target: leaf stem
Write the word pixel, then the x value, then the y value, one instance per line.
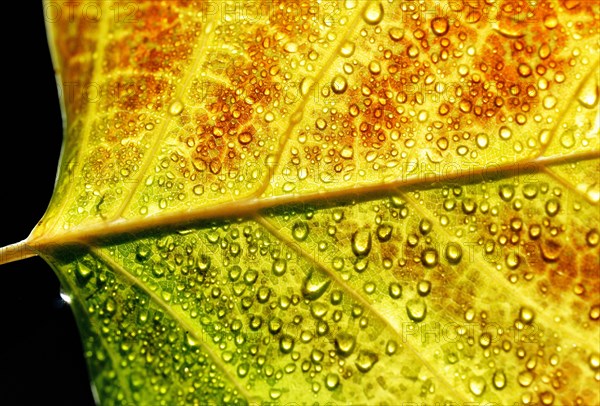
pixel 16 252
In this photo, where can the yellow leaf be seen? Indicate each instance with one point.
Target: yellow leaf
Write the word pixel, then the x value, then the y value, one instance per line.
pixel 370 202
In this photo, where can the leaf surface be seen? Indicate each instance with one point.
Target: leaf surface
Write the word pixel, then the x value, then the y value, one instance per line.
pixel 354 202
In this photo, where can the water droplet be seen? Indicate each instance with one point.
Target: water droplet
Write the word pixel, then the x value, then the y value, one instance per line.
pixel 361 242
pixel 374 68
pixel 525 378
pixel 482 140
pixel 416 309
pixel 347 49
pixel 290 47
pixel 320 124
pixel 524 70
pixel 589 95
pixel 530 191
pixel 315 284
pixel 373 13
pixel 242 369
pixel 439 25
pixel 344 344
pixel 526 315
pixel 275 325
pixel 339 84
pixel 286 343
pixel 300 231
pixel 513 260
pixel 332 381
pixel 453 253
pixel 477 385
pixel 552 207
pixel 176 108
pixel 506 192
pixel 279 267
pixel 567 139
pixel 592 237
pixel 384 232
pixel 429 258
pixel 594 361
pixel 499 379
pixel 245 138
pixel 395 290
pixel 396 34
pixel 425 226
pixel 365 361
pixel 550 22
pixel 423 287
pixel 505 133
pixel 547 398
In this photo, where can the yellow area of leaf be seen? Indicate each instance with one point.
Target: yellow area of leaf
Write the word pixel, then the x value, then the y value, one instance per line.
pixel 339 201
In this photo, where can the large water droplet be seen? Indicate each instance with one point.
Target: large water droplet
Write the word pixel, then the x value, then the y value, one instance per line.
pixel 365 361
pixel 373 13
pixel 429 258
pixel 477 385
pixel 176 108
pixel 453 253
pixel 439 25
pixel 332 381
pixel 300 231
pixel 499 380
pixel 416 309
pixel 361 242
pixel 279 267
pixel 315 284
pixel 344 344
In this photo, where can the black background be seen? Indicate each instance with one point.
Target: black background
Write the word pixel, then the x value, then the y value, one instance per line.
pixel 41 356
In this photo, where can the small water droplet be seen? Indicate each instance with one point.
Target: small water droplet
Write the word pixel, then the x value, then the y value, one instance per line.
pixel 425 226
pixel 339 84
pixel 525 378
pixel 592 237
pixel 290 47
pixel 245 138
pixel 286 343
pixel 513 260
pixel 347 49
pixel 506 192
pixel 423 287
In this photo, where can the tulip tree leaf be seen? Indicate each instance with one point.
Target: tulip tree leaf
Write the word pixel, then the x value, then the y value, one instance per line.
pixel 366 202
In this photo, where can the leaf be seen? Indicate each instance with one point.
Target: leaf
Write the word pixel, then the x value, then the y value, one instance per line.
pixel 348 202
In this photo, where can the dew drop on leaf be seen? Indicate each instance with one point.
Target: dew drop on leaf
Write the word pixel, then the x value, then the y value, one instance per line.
pixel 361 242
pixel 365 361
pixel 373 13
pixel 477 385
pixel 499 379
pixel 416 309
pixel 344 344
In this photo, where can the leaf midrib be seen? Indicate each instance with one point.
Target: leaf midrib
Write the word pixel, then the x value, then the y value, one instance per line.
pixel 91 234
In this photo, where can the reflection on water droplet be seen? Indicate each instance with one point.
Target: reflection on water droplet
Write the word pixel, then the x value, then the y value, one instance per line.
pixel 425 226
pixel 513 260
pixel 505 133
pixel 245 138
pixel 567 139
pixel 373 13
pixel 506 192
pixel 547 398
pixel 286 343
pixel 423 287
pixel 525 378
pixel 416 309
pixel 482 140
